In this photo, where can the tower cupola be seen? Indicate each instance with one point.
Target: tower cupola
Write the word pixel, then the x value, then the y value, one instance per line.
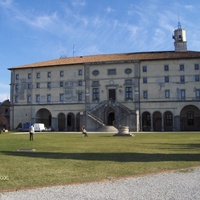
pixel 179 37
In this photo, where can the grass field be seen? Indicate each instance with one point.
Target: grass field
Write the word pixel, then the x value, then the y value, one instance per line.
pixel 68 158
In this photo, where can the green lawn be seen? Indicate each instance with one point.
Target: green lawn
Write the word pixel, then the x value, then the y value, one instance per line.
pixel 68 158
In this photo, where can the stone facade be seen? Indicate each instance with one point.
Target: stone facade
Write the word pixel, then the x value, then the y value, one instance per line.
pixel 146 91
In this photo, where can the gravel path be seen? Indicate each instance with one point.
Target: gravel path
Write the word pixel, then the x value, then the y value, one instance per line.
pixel 180 185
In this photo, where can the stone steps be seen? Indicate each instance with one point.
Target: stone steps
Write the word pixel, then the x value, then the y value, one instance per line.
pixel 108 129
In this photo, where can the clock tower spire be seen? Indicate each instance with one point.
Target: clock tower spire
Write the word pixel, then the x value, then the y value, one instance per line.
pixel 179 37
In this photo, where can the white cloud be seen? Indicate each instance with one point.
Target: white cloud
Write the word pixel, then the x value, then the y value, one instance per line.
pixel 43 21
pixel 109 10
pixel 6 3
pixel 189 7
pixel 80 3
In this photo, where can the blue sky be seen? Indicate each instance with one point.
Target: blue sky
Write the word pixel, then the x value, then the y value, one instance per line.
pixel 38 30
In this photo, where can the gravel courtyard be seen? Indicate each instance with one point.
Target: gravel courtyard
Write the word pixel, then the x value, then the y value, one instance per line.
pixel 176 185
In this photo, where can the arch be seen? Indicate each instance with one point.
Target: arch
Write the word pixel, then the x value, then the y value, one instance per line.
pixel 157 121
pixel 43 116
pixel 190 118
pixel 146 121
pixel 70 122
pixel 61 122
pixel 110 118
pixel 168 121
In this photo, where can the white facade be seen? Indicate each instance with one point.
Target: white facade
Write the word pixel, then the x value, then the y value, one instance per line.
pixel 147 91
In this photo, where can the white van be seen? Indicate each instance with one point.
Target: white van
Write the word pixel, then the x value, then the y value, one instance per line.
pixel 39 127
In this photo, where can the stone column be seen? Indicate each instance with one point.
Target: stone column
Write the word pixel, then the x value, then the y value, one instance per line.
pixel 176 123
pixel 54 123
pixel 137 120
pixel 151 122
pixel 162 120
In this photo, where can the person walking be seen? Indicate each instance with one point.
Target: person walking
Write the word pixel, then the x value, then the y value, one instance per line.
pixel 84 132
pixel 31 131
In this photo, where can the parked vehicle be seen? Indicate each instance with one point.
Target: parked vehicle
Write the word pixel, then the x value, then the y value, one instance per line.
pixel 26 126
pixel 39 127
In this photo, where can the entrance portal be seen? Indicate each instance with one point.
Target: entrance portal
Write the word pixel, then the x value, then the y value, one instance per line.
pixel 112 94
pixel 111 118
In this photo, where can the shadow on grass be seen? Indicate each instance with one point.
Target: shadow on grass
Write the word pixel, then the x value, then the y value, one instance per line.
pixel 189 146
pixel 116 157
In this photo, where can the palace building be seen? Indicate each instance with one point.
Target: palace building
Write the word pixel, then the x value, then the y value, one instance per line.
pixel 146 91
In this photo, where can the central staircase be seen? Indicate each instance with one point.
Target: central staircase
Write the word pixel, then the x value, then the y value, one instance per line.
pixel 99 114
pixel 107 129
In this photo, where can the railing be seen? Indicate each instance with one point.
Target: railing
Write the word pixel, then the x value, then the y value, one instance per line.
pixel 123 107
pixel 95 118
pixel 97 107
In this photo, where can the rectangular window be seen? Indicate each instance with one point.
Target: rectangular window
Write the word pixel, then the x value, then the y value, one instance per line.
pixel 38 75
pixel 166 68
pixel 197 78
pixel 61 83
pixel 181 67
pixel 145 94
pixel 167 93
pixel 29 76
pixel 48 74
pixel 29 86
pixel 48 98
pixel 145 80
pixel 49 85
pixel 144 68
pixel 111 71
pixel 17 77
pixel 128 94
pixel 166 79
pixel 80 96
pixel 61 97
pixel 28 99
pixel 16 87
pixel 80 72
pixel 61 73
pixel 198 93
pixel 182 79
pixel 37 85
pixel 16 99
pixel 182 94
pixel 95 93
pixel 190 119
pixel 80 83
pixel 37 98
pixel 128 81
pixel 196 66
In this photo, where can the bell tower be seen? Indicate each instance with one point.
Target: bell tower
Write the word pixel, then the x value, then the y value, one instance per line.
pixel 179 37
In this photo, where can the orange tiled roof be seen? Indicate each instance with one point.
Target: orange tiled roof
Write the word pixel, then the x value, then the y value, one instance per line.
pixel 140 56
